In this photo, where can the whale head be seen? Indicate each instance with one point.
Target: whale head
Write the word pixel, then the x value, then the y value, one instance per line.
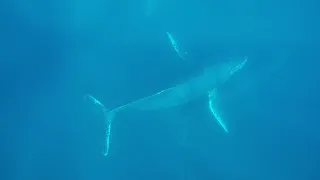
pixel 229 68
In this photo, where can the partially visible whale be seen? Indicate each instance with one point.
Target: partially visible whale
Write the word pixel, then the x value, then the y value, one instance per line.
pixel 205 83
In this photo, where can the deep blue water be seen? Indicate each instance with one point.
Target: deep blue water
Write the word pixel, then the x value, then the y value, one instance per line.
pixel 53 53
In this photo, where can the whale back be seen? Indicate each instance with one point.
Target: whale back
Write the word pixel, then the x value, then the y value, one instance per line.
pixel 209 79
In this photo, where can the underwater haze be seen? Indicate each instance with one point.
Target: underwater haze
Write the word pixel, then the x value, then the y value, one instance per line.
pixel 54 53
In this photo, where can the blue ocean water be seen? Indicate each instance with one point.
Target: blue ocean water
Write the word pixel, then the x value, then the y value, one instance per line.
pixel 53 53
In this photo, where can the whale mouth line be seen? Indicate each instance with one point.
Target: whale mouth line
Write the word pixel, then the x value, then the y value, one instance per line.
pixel 239 66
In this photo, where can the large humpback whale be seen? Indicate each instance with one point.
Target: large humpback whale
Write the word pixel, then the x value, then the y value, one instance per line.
pixel 204 84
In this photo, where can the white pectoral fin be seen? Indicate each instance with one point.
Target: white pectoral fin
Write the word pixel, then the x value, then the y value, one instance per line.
pixel 175 46
pixel 213 106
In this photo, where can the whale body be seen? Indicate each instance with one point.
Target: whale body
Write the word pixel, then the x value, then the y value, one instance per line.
pixel 205 83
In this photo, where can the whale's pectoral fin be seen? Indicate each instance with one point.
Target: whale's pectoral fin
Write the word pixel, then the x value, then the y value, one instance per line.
pixel 174 44
pixel 213 106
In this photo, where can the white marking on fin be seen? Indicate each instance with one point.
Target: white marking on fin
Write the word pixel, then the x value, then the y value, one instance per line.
pixel 214 111
pixel 175 46
pixel 109 116
pixel 94 100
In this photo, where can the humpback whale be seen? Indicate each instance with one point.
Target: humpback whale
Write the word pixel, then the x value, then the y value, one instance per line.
pixel 205 83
